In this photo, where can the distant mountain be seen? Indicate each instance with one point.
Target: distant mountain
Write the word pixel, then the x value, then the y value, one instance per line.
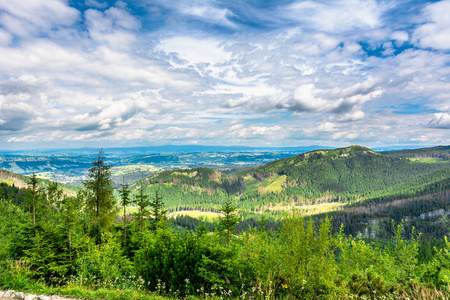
pixel 161 149
pixel 438 152
pixel 344 174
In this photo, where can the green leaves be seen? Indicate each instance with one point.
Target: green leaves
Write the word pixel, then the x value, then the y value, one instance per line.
pixel 99 195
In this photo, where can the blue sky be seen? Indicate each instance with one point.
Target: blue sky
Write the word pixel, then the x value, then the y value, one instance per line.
pixel 257 73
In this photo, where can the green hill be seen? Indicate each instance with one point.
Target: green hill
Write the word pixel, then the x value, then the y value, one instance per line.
pixel 438 153
pixel 346 175
pixel 21 181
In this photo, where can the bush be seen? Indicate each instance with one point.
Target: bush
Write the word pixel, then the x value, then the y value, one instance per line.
pixel 104 265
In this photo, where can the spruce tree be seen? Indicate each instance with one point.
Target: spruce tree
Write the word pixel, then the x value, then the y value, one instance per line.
pixel 54 194
pixel 125 197
pixel 157 211
pixel 100 202
pixel 229 220
pixel 142 202
pixel 33 188
pixel 70 210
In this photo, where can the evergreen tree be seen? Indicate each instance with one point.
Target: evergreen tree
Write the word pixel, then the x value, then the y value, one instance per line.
pixel 33 190
pixel 157 210
pixel 142 202
pixel 229 220
pixel 54 194
pixel 125 196
pixel 100 202
pixel 70 209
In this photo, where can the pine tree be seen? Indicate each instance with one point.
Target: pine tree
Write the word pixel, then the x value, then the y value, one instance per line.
pixel 125 196
pixel 142 202
pixel 70 209
pixel 229 220
pixel 157 211
pixel 54 194
pixel 100 203
pixel 33 188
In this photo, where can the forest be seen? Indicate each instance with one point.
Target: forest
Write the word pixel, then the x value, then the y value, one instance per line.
pixel 387 243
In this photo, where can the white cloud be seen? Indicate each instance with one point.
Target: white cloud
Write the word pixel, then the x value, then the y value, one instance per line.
pixel 196 50
pixel 25 18
pixel 400 37
pixel 351 116
pixel 5 38
pixel 303 75
pixel 113 27
pixel 240 131
pixel 339 16
pixel 209 14
pixel 440 120
pixel 435 32
pixel 327 126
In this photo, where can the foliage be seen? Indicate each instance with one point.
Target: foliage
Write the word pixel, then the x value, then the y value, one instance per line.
pixel 227 223
pixel 158 213
pixel 265 255
pixel 142 202
pixel 99 195
pixel 103 264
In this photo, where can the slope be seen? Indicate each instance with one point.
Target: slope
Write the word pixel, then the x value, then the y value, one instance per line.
pixel 21 181
pixel 345 174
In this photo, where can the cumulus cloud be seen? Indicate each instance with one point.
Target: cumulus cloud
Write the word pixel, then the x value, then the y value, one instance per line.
pixel 440 120
pixel 196 50
pixel 345 101
pixel 435 31
pixel 27 18
pixel 400 37
pixel 113 27
pixel 293 72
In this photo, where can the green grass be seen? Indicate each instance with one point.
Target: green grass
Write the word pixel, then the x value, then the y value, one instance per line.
pixel 310 209
pixel 276 183
pixel 123 170
pixel 203 215
pixel 428 160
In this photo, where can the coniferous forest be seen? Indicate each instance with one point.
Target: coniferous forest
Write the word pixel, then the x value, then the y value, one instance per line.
pixel 387 240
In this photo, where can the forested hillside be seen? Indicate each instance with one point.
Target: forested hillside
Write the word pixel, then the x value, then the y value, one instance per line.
pixel 22 181
pixel 383 235
pixel 341 175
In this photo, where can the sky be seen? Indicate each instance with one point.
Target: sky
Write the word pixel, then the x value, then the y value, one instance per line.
pixel 96 73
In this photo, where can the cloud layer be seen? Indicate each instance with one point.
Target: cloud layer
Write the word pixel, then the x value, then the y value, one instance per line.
pixel 259 73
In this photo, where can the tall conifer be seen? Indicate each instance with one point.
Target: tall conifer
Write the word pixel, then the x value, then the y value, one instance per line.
pixel 100 202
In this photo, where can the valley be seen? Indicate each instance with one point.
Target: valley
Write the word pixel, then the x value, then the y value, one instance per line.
pixel 339 182
pixel 182 220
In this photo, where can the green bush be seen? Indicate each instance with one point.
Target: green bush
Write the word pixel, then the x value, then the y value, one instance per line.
pixel 104 265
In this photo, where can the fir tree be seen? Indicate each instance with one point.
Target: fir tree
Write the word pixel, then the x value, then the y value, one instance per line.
pixel 142 202
pixel 33 188
pixel 125 196
pixel 229 220
pixel 70 209
pixel 100 203
pixel 157 210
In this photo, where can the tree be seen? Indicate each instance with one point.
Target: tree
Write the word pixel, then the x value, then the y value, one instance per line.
pixel 33 188
pixel 142 202
pixel 70 209
pixel 229 220
pixel 54 194
pixel 125 196
pixel 157 211
pixel 100 202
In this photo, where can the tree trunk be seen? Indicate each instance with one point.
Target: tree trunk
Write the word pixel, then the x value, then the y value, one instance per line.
pixel 34 211
pixel 124 228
